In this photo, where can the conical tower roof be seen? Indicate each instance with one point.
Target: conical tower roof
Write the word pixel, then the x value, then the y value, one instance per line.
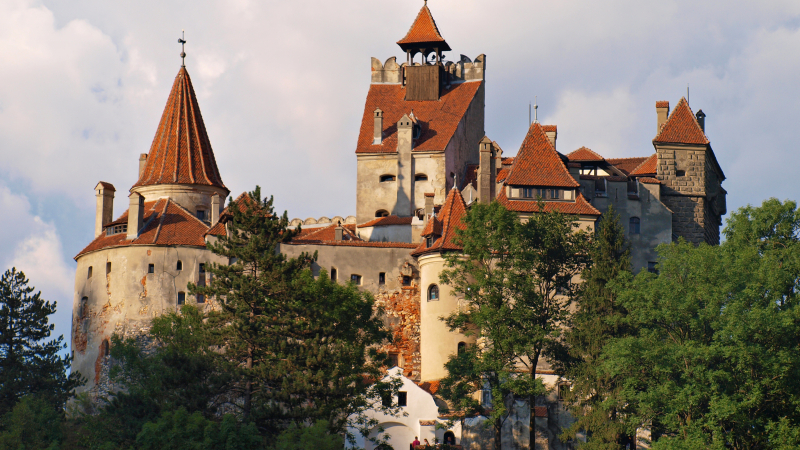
pixel 181 152
pixel 424 31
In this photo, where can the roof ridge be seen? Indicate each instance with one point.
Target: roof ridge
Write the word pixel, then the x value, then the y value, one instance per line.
pixel 646 160
pixel 672 131
pixel 534 152
pixel 424 33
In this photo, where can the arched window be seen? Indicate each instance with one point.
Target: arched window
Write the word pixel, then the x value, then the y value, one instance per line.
pixel 433 292
pixel 179 265
pixel 462 347
pixel 89 273
pixel 385 178
pixel 381 213
pixel 420 177
pixel 108 268
pixel 634 225
pixel 449 438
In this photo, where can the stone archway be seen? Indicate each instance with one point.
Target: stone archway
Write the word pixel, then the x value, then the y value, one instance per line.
pixel 400 436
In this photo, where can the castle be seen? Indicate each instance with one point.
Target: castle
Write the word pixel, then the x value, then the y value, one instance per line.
pixel 422 158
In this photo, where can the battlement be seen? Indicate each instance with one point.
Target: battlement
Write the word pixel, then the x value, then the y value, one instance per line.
pixel 464 70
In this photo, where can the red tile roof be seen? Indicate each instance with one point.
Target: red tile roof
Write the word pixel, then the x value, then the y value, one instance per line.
pixel 386 221
pixel 106 185
pixel 327 233
pixel 438 120
pixel 433 227
pixel 431 387
pixel 165 223
pixel 662 104
pixel 681 127
pixel 181 152
pixel 584 154
pixel 451 215
pixel 217 230
pixel 424 30
pixel 502 174
pixel 647 167
pixel 579 206
pixel 538 164
pixel 649 180
pixel 508 161
pixel 626 165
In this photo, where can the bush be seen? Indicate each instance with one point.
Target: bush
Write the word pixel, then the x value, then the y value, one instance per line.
pixel 315 437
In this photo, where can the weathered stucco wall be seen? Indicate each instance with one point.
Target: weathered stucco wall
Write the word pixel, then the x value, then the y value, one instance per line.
pixel 191 197
pixel 125 299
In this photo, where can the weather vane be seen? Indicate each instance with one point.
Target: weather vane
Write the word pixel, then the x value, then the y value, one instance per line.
pixel 182 41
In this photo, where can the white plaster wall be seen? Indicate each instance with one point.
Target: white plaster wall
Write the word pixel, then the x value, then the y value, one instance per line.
pixel 191 197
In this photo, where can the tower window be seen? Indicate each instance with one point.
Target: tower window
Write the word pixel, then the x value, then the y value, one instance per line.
pixel 333 273
pixel 433 292
pixel 402 398
pixel 420 177
pixel 382 278
pixel 355 279
pixel 181 298
pixel 385 178
pixel 634 227
pixel 202 268
pixel 381 213
pixel 179 265
pixel 89 273
pixel 108 268
pixel 680 173
pixel 151 268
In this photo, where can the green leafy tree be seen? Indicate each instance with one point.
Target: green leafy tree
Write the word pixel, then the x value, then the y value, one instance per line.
pixel 596 321
pixel 304 349
pixel 33 423
pixel 180 430
pixel 315 437
pixel 29 363
pixel 517 280
pixel 714 360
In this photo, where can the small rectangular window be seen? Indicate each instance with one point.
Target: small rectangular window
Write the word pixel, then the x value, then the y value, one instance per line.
pixel 651 267
pixel 386 400
pixel 181 298
pixel 382 278
pixel 201 298
pixel 202 268
pixel 333 274
pixel 680 173
pixel 554 194
pixel 151 268
pixel 402 398
pixel 394 360
pixel 527 192
pixel 89 273
pixel 406 280
pixel 355 279
pixel 201 214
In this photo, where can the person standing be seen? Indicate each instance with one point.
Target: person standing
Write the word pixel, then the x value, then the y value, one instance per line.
pixel 415 443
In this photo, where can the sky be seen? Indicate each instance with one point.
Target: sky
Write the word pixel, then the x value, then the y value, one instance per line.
pixel 281 86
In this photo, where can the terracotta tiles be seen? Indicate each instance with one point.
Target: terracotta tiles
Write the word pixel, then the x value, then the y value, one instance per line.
pixel 181 152
pixel 550 128
pixel 649 180
pixel 438 119
pixel 165 223
pixel 662 104
pixel 626 165
pixel 681 127
pixel 579 206
pixel 647 167
pixel 538 164
pixel 424 30
pixel 106 185
pixel 327 233
pixel 388 220
pixel 431 387
pixel 433 227
pixel 508 161
pixel 451 216
pixel 502 174
pixel 584 154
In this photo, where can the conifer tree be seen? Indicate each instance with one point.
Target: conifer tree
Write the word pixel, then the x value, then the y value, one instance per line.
pixel 595 323
pixel 29 363
pixel 304 347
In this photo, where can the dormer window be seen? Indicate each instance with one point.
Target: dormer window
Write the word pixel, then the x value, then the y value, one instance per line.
pixel 527 192
pixel 429 241
pixel 386 178
pixel 116 229
pixel 201 214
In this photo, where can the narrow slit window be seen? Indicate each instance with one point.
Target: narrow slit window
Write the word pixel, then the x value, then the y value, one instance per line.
pixel 108 268
pixel 382 278
pixel 89 273
pixel 106 352
pixel 179 265
pixel 334 273
pixel 151 268
pixel 83 308
pixel 433 292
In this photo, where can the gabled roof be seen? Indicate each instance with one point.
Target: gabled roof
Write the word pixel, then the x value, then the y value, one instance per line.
pixel 538 164
pixel 423 31
pixel 647 167
pixel 165 223
pixel 181 152
pixel 451 216
pixel 584 154
pixel 438 120
pixel 681 127
pixel 579 207
pixel 626 165
pixel 433 227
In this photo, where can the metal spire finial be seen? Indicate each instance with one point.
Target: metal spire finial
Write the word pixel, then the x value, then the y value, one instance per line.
pixel 182 41
pixel 535 110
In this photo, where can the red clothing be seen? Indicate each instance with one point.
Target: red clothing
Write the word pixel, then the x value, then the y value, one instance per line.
pixel 415 443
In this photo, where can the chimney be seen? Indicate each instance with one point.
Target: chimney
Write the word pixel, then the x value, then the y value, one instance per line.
pixel 662 111
pixel 486 171
pixel 105 206
pixel 135 215
pixel 377 134
pixel 142 163
pixel 338 232
pixel 214 209
pixel 701 119
pixel 405 175
pixel 552 133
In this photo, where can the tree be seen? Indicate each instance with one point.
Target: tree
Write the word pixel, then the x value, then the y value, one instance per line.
pixel 517 280
pixel 714 360
pixel 32 424
pixel 29 363
pixel 596 321
pixel 180 430
pixel 304 349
